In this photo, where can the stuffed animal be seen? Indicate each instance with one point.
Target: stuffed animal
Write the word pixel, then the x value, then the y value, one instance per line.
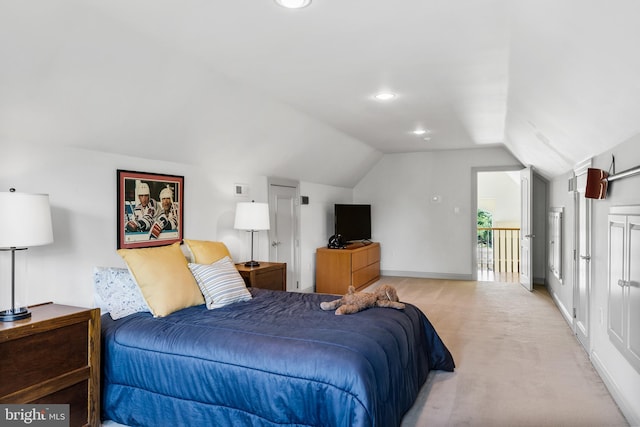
pixel 353 302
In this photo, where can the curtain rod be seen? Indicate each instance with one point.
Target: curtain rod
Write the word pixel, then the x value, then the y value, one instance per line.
pixel 624 174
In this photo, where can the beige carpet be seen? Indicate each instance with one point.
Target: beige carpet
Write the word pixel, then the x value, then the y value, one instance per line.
pixel 517 361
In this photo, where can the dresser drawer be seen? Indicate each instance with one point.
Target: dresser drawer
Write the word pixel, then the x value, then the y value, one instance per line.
pixel 365 275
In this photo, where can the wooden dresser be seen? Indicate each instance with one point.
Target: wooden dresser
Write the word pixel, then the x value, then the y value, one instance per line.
pixel 337 269
pixel 52 358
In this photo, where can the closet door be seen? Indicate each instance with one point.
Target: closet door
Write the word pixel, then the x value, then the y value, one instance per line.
pixel 633 288
pixel 624 281
pixel 616 317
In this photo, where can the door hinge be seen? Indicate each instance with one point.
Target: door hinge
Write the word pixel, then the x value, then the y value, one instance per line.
pixel 575 313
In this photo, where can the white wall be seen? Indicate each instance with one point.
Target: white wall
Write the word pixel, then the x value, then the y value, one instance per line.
pixel 82 188
pixel 623 381
pixel 317 224
pixel 499 193
pixel 562 290
pixel 420 237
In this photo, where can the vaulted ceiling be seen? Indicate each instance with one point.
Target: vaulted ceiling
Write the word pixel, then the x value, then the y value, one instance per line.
pixel 554 81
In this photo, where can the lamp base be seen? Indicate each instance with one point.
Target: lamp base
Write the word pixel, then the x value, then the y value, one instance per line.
pixel 14 314
pixel 252 264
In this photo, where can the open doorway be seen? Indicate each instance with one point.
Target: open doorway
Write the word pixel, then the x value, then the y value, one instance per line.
pixel 498 225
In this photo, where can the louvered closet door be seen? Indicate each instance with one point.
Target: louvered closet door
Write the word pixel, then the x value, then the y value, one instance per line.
pixel 616 276
pixel 633 288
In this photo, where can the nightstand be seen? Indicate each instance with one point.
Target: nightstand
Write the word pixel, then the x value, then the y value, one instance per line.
pixel 268 275
pixel 53 357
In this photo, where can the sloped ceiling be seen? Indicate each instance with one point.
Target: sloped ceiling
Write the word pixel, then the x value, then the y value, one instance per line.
pixel 290 92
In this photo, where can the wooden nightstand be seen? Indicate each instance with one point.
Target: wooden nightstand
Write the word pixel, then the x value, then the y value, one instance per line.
pixel 53 357
pixel 268 275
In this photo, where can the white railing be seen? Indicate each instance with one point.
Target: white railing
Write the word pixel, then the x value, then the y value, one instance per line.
pixel 498 250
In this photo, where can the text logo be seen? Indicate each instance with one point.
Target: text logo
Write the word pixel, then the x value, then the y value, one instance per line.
pixel 34 415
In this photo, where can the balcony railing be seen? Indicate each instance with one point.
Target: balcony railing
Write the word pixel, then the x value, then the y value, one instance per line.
pixel 498 251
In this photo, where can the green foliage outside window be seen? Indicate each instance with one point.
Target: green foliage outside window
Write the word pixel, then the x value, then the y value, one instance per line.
pixel 485 220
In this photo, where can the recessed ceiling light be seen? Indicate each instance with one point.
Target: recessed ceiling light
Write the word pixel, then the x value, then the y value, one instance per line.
pixel 419 132
pixel 293 4
pixel 385 96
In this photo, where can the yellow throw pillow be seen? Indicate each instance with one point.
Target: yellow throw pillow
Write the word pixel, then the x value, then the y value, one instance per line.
pixel 207 252
pixel 163 275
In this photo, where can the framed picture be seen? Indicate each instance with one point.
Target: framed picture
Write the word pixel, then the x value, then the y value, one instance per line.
pixel 150 209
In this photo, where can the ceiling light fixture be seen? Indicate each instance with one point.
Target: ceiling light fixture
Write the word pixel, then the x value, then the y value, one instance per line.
pixel 419 132
pixel 293 4
pixel 385 96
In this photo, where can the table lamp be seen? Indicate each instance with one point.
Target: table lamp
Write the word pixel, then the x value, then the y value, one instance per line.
pixel 252 216
pixel 25 221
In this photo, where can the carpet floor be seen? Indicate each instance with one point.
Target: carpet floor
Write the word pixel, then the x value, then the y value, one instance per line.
pixel 517 361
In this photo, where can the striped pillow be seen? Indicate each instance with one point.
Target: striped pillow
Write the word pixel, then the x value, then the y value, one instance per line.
pixel 220 283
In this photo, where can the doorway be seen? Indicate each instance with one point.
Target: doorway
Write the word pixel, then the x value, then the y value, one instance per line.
pixel 582 245
pixel 497 251
pixel 283 234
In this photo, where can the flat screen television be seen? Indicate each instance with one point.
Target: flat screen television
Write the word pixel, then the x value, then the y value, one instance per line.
pixel 353 222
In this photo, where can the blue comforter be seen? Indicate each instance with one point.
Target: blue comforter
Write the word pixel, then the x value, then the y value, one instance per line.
pixel 275 360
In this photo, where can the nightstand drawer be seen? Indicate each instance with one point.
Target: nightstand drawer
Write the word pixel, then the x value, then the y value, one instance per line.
pixel 271 279
pixel 268 275
pixel 63 350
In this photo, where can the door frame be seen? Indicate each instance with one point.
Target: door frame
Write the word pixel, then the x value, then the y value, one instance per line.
pixel 526 226
pixel 283 182
pixel 474 210
pixel 582 329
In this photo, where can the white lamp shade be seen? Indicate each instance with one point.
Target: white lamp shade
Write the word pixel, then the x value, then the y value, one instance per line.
pixel 252 216
pixel 25 220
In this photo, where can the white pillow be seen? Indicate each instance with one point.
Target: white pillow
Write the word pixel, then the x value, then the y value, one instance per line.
pixel 117 292
pixel 220 283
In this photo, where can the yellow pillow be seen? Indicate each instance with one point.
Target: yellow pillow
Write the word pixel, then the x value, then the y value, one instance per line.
pixel 163 275
pixel 207 252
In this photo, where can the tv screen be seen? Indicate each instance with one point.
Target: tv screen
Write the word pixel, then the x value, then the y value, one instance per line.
pixel 353 222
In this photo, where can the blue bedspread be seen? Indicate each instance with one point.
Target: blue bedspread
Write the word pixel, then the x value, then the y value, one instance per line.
pixel 275 360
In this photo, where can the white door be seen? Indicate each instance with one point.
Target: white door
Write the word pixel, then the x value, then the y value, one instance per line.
pixel 283 234
pixel 526 228
pixel 582 281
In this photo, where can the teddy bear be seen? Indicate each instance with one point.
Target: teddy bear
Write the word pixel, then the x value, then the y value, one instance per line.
pixel 353 302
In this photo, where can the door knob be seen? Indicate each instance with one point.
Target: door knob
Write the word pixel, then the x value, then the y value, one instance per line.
pixel 274 243
pixel 585 257
pixel 529 235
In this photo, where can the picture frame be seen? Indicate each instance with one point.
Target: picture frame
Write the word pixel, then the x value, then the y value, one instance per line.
pixel 150 209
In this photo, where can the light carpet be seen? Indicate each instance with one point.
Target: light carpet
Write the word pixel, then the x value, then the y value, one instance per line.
pixel 517 361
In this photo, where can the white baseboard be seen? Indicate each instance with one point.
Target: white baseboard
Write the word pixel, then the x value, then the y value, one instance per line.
pixel 425 275
pixel 563 310
pixel 629 410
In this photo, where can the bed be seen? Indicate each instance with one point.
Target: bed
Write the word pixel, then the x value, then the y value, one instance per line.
pixel 276 359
